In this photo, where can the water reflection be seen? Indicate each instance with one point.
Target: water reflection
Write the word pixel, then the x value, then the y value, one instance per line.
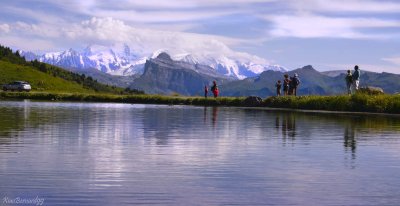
pixel 214 115
pixel 350 140
pixel 289 126
pixel 118 154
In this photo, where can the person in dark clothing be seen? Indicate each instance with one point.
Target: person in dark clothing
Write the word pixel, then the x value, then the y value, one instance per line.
pixel 278 86
pixel 205 91
pixel 356 78
pixel 286 83
pixel 295 82
pixel 349 81
pixel 290 86
pixel 214 89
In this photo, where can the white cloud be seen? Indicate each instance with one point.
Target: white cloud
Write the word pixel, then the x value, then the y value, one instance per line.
pixel 33 44
pixel 314 26
pixel 39 30
pixel 160 16
pixel 108 31
pixel 394 60
pixel 4 28
pixel 173 4
pixel 349 6
pixel 42 17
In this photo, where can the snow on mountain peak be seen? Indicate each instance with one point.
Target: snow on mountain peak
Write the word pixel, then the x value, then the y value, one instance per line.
pixel 120 59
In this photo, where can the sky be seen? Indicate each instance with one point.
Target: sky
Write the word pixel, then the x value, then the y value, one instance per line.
pixel 328 34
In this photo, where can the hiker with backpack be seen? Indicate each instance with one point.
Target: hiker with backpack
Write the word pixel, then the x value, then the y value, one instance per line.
pixel 214 89
pixel 349 81
pixel 294 83
pixel 286 83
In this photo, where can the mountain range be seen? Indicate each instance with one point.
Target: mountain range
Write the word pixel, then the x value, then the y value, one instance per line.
pixel 121 60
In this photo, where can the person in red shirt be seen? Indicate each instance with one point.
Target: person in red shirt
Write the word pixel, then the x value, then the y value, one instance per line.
pixel 214 89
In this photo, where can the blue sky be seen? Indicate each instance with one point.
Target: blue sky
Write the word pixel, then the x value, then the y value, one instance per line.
pixel 328 34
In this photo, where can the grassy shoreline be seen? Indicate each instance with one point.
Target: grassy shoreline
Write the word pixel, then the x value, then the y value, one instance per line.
pixel 389 104
pixel 134 98
pixel 356 103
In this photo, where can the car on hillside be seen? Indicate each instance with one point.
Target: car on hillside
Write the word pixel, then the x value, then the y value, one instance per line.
pixel 17 86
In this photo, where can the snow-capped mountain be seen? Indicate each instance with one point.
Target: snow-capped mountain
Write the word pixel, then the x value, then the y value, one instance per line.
pixel 98 57
pixel 122 60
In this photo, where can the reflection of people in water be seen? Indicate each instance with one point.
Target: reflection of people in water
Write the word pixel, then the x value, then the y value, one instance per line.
pixel 289 126
pixel 205 115
pixel 277 122
pixel 292 126
pixel 349 139
pixel 214 115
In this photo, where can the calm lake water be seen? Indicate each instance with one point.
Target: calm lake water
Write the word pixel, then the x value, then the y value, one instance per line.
pixel 123 154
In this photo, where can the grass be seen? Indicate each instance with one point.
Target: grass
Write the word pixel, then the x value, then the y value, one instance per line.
pixel 356 103
pixel 135 98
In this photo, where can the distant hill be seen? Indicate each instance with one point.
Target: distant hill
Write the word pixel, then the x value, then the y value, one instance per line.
pixel 162 75
pixel 312 83
pixel 44 77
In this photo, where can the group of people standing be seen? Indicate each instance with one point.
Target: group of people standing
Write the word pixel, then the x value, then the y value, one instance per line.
pixel 353 80
pixel 290 85
pixel 214 90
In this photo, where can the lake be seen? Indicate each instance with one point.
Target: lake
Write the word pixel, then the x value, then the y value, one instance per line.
pixel 124 154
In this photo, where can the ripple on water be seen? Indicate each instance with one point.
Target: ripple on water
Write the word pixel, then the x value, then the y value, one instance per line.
pixel 123 154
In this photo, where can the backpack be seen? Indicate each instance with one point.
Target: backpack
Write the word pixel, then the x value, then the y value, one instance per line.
pixel 214 87
pixel 296 81
pixel 349 78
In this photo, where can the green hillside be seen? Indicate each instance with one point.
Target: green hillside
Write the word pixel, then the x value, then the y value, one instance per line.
pixel 45 77
pixel 39 81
